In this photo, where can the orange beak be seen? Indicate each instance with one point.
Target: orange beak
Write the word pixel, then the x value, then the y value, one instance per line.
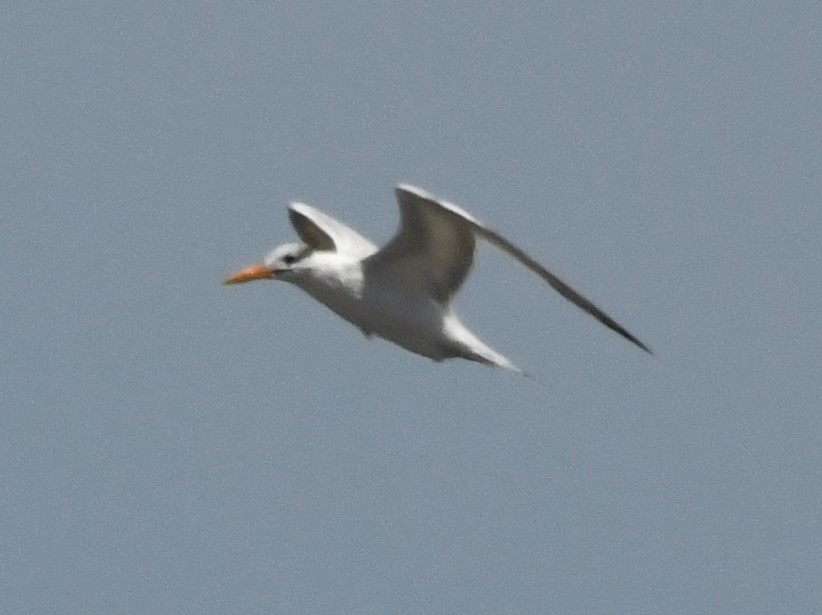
pixel 258 271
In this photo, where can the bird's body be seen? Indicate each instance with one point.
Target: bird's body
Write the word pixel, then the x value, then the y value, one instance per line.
pixel 403 291
pixel 378 305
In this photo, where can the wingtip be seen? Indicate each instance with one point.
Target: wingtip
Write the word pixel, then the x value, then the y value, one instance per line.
pixel 636 342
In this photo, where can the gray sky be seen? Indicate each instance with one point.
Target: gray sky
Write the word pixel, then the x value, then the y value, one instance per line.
pixel 175 446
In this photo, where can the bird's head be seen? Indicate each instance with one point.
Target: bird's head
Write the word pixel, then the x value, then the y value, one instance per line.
pixel 285 262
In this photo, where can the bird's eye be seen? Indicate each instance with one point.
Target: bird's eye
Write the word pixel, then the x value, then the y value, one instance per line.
pixel 289 259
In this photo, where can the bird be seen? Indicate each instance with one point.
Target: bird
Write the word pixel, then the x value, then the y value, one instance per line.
pixel 403 291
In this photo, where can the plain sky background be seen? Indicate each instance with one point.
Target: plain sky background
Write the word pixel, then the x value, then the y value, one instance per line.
pixel 171 445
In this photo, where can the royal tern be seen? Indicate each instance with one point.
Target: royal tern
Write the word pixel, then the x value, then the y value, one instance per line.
pixel 403 291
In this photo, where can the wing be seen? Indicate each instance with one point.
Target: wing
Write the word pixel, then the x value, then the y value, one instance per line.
pixel 323 233
pixel 558 284
pixel 433 249
pixel 459 223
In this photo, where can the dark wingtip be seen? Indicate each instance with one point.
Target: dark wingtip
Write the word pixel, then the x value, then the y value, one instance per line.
pixel 645 348
pixel 635 341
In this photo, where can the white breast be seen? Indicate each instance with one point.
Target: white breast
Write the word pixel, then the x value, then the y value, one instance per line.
pixel 382 309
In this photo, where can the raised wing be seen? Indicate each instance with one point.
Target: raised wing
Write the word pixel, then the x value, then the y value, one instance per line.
pixel 433 249
pixel 321 232
pixel 449 249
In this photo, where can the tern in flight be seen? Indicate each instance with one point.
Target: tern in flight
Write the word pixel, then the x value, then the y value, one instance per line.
pixel 402 292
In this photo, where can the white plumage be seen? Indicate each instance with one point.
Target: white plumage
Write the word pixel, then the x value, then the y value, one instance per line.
pixel 402 292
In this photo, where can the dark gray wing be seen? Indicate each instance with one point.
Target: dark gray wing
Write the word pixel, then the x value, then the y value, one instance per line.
pixel 322 232
pixel 558 284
